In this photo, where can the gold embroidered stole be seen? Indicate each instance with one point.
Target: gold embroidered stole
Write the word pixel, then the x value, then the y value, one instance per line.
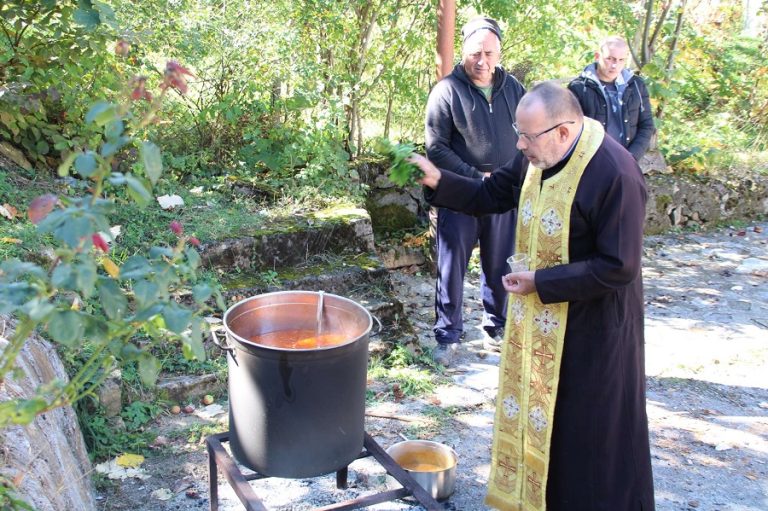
pixel 533 339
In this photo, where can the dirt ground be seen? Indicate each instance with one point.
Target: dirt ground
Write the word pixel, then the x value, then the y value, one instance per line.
pixel 707 354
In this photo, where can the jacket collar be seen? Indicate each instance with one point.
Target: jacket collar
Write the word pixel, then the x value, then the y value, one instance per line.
pixel 590 73
pixel 499 76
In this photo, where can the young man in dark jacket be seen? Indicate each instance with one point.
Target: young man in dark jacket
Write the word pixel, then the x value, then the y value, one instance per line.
pixel 469 131
pixel 616 97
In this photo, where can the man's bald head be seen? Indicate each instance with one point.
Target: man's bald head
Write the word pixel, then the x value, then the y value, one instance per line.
pixel 558 101
pixel 548 122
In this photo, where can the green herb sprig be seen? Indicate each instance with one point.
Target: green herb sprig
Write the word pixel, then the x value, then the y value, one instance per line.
pixel 401 171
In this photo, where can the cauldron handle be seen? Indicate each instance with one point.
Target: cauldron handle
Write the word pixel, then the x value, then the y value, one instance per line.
pixel 222 345
pixel 380 327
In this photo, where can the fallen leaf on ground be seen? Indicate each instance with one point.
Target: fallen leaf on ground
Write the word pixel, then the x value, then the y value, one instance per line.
pixel 163 494
pixel 129 460
pixel 41 206
pixel 210 411
pixel 186 482
pixel 160 441
pixel 8 211
pixel 170 201
pixel 114 471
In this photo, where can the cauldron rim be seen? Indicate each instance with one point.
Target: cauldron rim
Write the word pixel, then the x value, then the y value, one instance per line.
pixel 250 344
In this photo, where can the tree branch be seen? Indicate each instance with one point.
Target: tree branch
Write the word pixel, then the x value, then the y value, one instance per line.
pixel 659 24
pixel 645 56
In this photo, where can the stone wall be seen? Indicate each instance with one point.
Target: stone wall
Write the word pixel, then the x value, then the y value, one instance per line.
pixel 674 200
pixel 47 458
pixel 692 201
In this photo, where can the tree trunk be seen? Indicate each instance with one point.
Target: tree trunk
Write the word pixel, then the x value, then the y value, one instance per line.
pixel 388 117
pixel 446 29
pixel 672 50
pixel 750 25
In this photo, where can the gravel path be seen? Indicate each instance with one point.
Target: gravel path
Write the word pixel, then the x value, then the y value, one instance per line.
pixel 707 365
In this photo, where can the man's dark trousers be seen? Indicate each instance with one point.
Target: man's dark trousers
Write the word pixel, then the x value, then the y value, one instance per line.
pixel 457 235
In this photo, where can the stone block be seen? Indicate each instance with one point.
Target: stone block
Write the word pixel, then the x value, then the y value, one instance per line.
pixel 48 456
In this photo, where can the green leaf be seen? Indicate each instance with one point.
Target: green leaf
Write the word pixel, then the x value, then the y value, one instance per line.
pixel 15 268
pixel 97 330
pixel 160 252
pixel 135 267
pixel 130 352
pixel 193 343
pixel 72 230
pixel 101 113
pixel 201 292
pixel 85 164
pixel 66 327
pixel 111 147
pixel 66 163
pixel 137 190
pixel 153 161
pixel 107 15
pixel 401 171
pixel 176 317
pixel 196 338
pixel 42 147
pixel 112 298
pixel 149 369
pixel 21 411
pixel 38 309
pixel 63 277
pixel 86 276
pixel 88 18
pixel 192 257
pixel 149 312
pixel 145 292
pixel 15 295
pixel 114 129
pixel 117 178
pixel 220 303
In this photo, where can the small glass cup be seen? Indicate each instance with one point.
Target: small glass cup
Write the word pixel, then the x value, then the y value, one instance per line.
pixel 518 262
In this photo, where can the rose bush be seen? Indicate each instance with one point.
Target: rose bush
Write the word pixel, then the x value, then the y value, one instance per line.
pixel 84 298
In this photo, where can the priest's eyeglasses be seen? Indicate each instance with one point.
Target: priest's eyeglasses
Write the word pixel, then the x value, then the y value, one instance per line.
pixel 532 138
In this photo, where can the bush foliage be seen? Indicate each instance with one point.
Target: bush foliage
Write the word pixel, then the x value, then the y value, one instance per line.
pixel 292 93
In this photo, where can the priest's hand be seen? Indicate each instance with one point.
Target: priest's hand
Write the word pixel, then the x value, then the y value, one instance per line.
pixel 519 283
pixel 431 173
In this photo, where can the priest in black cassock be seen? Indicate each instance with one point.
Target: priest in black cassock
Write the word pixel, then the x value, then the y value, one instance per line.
pixel 571 430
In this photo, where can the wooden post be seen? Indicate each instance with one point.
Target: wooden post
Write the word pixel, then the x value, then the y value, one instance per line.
pixel 446 28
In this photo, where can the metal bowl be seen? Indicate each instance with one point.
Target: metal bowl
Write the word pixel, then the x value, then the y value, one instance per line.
pixel 431 464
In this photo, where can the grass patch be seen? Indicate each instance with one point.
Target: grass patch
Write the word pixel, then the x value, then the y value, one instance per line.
pixel 196 433
pixel 106 439
pixel 410 374
pixel 435 420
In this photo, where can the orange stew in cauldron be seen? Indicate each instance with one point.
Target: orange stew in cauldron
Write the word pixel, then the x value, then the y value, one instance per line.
pixel 298 339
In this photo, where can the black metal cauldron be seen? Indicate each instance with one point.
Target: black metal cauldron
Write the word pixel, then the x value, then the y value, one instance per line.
pixel 296 412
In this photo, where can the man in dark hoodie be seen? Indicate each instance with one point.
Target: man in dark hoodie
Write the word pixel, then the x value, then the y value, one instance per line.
pixel 615 96
pixel 469 131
